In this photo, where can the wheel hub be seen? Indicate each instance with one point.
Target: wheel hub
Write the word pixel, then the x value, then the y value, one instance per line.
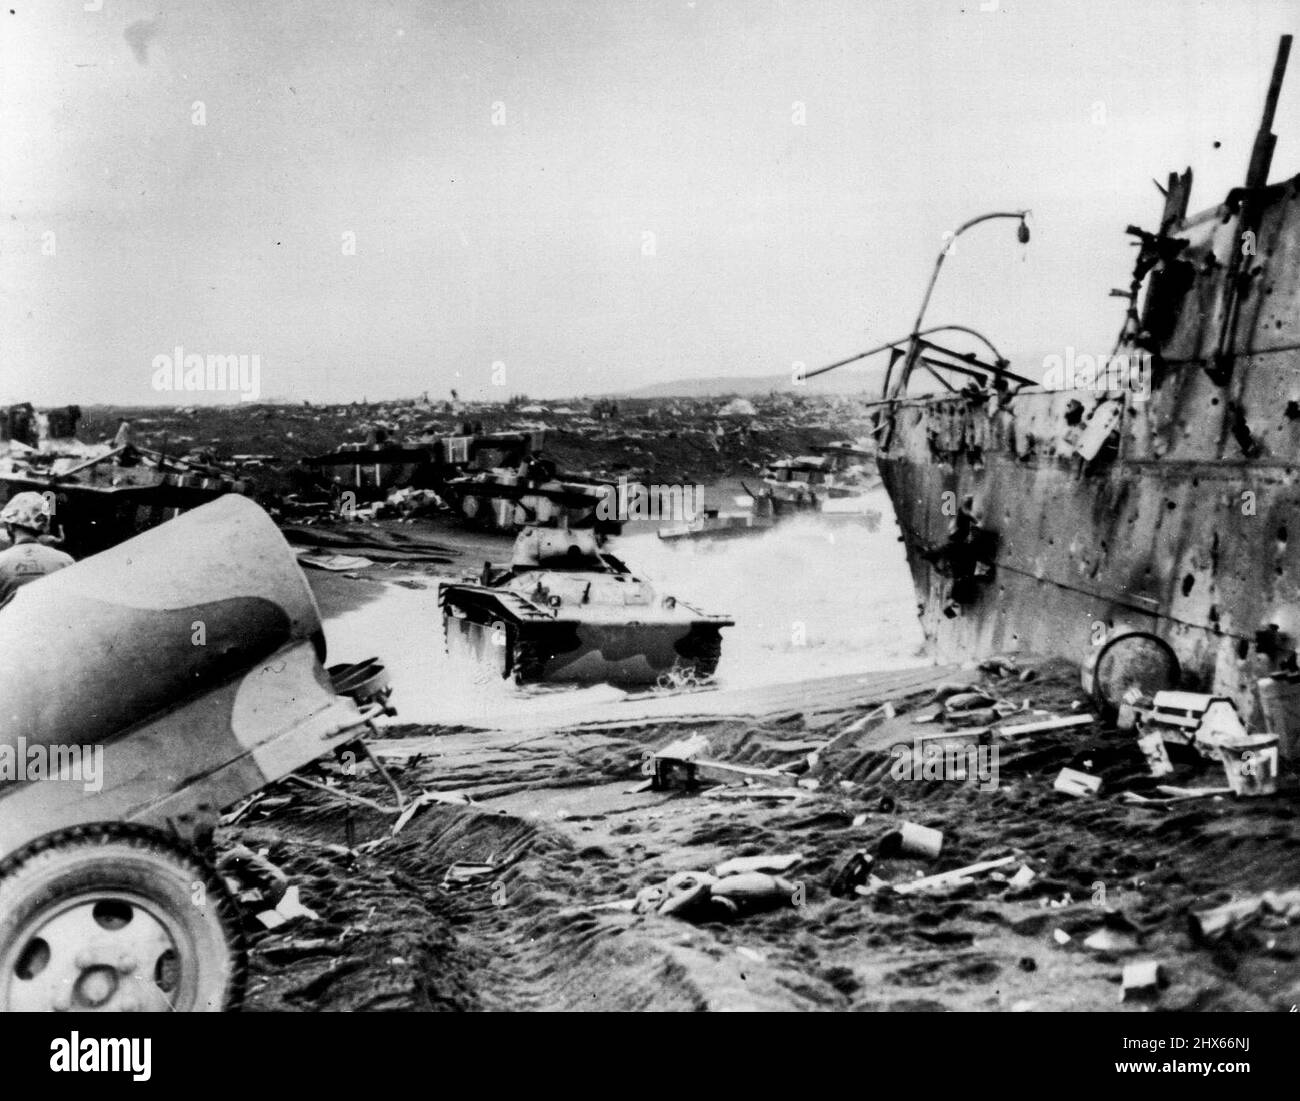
pixel 102 954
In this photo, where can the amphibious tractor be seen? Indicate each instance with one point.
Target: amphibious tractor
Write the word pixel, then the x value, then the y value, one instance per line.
pixel 142 691
pixel 568 611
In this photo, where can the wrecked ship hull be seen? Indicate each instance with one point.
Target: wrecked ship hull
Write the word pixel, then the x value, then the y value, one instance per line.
pixel 1170 513
pixel 1164 498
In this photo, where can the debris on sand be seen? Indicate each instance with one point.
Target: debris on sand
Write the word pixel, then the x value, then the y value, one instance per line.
pixel 911 840
pixel 1014 865
pixel 468 874
pixel 1152 745
pixel 251 876
pixel 1071 781
pixel 968 701
pixel 1171 794
pixel 772 863
pixel 681 763
pixel 735 887
pixel 955 877
pixel 1111 941
pixel 1023 878
pixel 853 873
pixel 1045 726
pixel 1141 980
pixel 753 889
pixel 686 891
pixel 287 910
pixel 1251 763
pixel 1210 926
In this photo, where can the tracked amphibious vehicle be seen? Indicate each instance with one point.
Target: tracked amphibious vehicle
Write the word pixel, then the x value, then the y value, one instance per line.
pixel 568 611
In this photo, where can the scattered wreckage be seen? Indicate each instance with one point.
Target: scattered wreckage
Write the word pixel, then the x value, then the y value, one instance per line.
pixel 834 484
pixel 100 494
pixel 151 686
pixel 498 481
pixel 567 610
pixel 757 514
pixel 833 480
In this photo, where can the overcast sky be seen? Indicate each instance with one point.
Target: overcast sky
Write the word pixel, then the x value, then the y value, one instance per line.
pixel 597 195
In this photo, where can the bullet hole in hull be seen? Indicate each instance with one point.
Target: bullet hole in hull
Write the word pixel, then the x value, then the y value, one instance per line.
pixel 1243 649
pixel 1188 583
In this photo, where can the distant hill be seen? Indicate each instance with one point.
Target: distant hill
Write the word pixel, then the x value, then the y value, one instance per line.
pixel 852 379
pixel 845 380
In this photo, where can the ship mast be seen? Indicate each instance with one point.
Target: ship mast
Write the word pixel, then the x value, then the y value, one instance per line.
pixel 1250 209
pixel 1261 156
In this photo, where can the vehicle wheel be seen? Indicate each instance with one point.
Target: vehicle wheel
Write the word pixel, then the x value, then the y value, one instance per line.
pixel 116 917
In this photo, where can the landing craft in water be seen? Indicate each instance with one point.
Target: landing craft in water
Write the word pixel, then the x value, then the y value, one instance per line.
pixel 835 483
pixel 568 611
pixel 836 472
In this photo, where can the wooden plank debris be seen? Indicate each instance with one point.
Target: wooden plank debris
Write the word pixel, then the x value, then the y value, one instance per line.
pixel 772 863
pixel 945 879
pixel 1071 781
pixel 1045 725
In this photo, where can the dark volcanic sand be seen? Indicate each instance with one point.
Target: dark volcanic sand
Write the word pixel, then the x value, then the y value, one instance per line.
pixel 554 815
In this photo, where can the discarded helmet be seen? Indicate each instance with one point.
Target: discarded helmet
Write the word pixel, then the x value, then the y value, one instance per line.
pixel 26 510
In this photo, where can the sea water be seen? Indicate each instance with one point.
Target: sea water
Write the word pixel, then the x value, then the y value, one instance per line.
pixel 811 598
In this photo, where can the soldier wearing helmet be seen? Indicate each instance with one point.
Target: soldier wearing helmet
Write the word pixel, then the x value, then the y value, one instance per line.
pixel 26 518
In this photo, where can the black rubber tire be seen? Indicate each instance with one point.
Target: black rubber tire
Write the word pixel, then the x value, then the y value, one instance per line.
pixel 139 863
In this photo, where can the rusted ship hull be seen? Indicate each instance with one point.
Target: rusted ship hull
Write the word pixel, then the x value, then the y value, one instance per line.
pixel 1156 546
pixel 1163 495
